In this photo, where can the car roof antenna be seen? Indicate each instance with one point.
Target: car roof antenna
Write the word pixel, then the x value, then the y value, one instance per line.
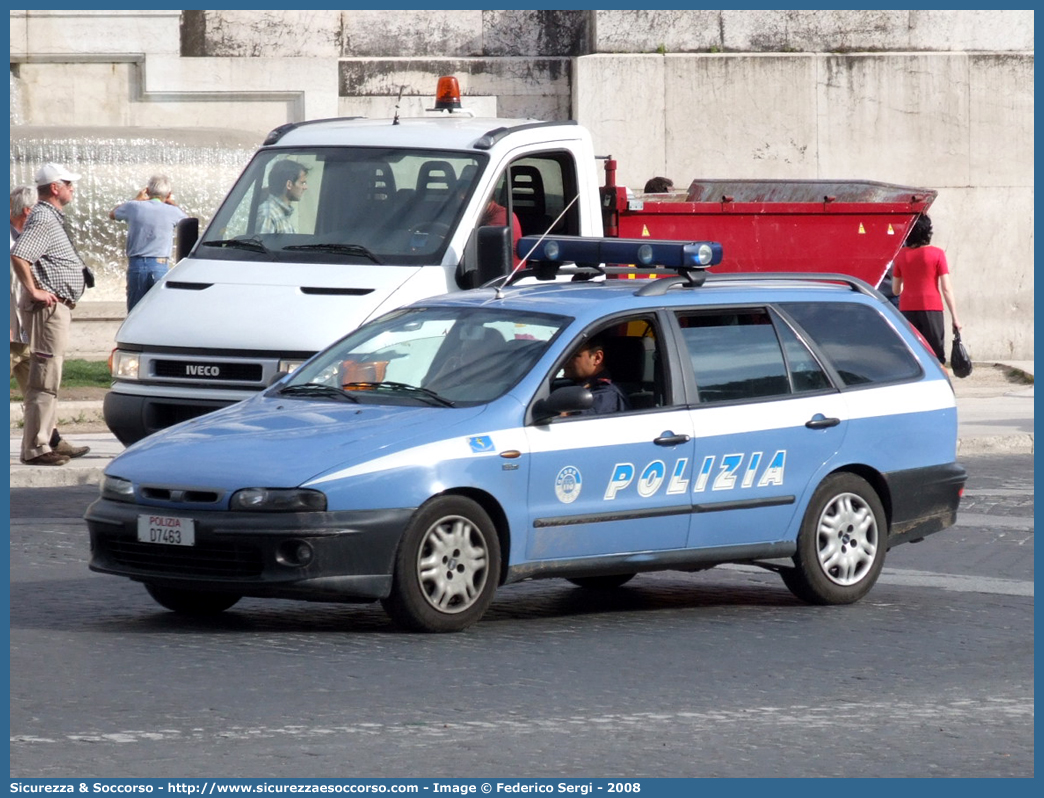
pixel 398 100
pixel 525 260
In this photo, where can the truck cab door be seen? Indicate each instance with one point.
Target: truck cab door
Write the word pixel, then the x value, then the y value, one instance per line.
pixel 533 195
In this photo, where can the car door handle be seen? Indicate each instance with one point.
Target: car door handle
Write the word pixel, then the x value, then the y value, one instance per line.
pixel 819 421
pixel 670 439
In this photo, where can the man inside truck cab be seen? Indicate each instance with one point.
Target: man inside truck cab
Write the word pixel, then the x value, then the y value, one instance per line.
pixel 287 182
pixel 495 215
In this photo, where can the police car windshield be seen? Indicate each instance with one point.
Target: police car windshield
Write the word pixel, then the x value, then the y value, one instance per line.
pixel 344 205
pixel 454 355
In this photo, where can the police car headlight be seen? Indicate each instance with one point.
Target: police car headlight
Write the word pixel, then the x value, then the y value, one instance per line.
pixel 125 365
pixel 278 500
pixel 116 489
pixel 705 255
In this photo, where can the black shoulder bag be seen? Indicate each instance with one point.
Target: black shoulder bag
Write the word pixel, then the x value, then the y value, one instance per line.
pixel 960 360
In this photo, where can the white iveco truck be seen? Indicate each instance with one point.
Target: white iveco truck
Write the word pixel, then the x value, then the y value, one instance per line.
pixel 389 216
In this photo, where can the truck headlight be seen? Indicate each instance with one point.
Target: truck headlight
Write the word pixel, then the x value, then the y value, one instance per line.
pixel 116 489
pixel 289 365
pixel 125 365
pixel 278 500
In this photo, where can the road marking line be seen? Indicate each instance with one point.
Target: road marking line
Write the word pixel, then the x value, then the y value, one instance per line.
pixel 893 714
pixel 957 582
pixel 993 521
pixel 908 577
pixel 1007 492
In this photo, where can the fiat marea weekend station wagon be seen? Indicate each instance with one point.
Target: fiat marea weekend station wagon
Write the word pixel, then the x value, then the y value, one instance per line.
pixel 455 446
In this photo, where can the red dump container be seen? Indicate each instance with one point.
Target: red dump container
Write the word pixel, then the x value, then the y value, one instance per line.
pixel 850 227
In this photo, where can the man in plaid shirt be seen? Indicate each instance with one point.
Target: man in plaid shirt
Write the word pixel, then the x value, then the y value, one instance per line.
pixel 51 274
pixel 287 182
pixel 23 198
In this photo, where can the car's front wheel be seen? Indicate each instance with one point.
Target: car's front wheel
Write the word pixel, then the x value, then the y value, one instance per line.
pixel 446 568
pixel 192 602
pixel 841 545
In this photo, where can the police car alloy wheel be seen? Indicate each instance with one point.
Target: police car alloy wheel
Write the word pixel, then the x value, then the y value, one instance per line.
pixel 842 543
pixel 191 602
pixel 446 568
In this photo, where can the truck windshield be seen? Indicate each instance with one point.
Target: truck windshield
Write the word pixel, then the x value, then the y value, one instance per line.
pixel 343 204
pixel 444 356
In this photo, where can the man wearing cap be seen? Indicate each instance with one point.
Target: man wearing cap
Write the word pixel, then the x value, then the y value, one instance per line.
pixel 52 278
pixel 23 198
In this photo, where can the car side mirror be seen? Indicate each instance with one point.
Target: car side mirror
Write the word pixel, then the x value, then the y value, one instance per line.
pixel 186 233
pixel 570 399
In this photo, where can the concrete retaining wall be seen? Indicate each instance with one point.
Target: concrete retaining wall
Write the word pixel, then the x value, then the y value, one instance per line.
pixel 936 98
pixel 823 31
pixel 961 123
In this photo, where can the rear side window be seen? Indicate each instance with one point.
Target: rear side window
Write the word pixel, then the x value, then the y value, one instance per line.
pixel 857 340
pixel 805 372
pixel 735 355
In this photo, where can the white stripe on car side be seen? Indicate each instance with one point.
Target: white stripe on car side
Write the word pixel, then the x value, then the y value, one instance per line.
pixel 595 432
pixel 896 400
pixel 888 400
pixel 456 448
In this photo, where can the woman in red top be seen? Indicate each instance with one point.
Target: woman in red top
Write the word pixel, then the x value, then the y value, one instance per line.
pixel 921 278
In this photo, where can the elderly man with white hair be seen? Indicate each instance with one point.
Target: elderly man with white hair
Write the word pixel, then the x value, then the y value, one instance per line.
pixel 150 217
pixel 23 198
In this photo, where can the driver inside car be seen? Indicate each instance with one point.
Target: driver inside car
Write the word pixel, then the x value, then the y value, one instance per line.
pixel 586 367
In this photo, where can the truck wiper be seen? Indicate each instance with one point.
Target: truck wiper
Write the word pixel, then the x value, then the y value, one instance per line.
pixel 425 393
pixel 252 244
pixel 317 389
pixel 345 249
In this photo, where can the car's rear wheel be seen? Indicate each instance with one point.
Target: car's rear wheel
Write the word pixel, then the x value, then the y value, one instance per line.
pixel 192 602
pixel 602 582
pixel 446 568
pixel 841 545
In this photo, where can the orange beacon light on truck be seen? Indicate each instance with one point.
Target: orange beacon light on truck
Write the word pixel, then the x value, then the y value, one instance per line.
pixel 447 94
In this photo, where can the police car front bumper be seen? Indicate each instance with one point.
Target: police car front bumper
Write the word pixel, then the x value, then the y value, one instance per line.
pixel 320 556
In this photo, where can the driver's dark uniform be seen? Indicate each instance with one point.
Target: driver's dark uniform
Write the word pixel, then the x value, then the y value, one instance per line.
pixel 608 398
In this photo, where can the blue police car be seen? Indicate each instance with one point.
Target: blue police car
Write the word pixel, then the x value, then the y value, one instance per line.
pixel 457 445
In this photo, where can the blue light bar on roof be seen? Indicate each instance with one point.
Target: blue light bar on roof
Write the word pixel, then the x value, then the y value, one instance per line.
pixel 637 251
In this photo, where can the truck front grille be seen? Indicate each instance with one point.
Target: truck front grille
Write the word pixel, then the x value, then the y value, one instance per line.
pixel 208 370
